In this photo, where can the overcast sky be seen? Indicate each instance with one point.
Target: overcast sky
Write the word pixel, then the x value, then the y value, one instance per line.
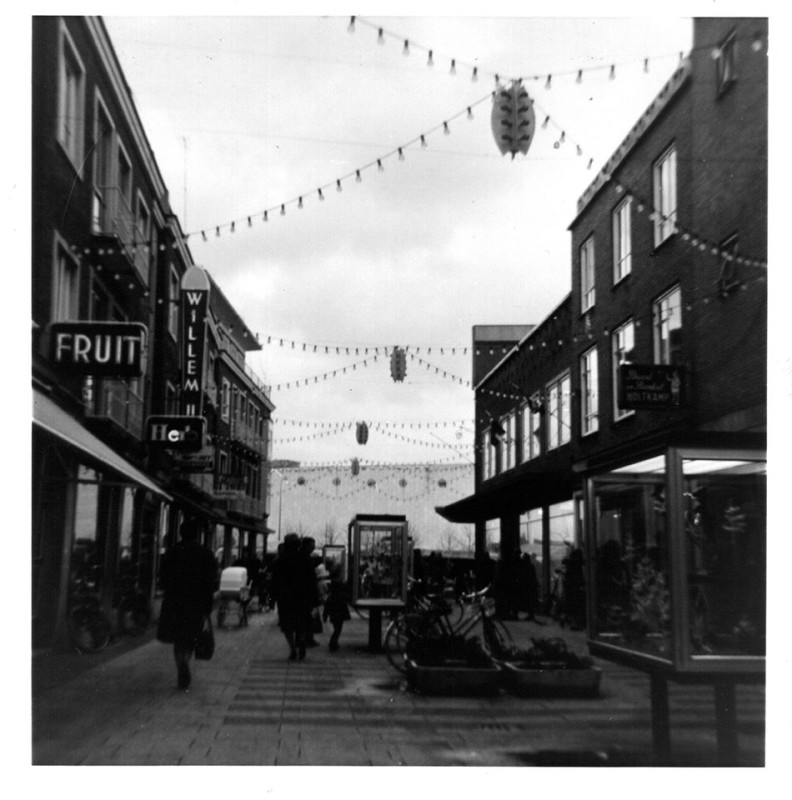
pixel 246 114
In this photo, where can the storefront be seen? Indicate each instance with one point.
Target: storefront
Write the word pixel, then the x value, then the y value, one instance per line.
pixel 97 521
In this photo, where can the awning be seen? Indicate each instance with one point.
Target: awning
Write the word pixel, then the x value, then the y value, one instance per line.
pixel 51 418
pixel 510 495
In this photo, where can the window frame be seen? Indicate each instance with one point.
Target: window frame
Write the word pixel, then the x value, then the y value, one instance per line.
pixel 62 257
pixel 589 391
pixel 726 63
pixel 71 139
pixel 621 221
pixel 587 276
pixel 660 354
pixel 618 358
pixel 174 292
pixel 225 399
pixel 558 417
pixel 665 195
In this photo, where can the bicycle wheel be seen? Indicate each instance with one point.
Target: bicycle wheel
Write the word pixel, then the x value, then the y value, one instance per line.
pixel 393 644
pixel 498 642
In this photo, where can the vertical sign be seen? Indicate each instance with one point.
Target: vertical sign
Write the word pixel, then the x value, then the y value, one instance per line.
pixel 194 308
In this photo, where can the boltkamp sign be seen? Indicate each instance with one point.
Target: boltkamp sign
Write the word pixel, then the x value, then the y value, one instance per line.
pixel 650 386
pixel 194 307
pixel 101 349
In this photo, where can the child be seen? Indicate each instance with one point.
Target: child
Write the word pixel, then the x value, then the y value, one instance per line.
pixel 336 609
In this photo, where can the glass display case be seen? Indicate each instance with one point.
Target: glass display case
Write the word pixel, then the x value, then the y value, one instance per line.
pixel 334 557
pixel 378 560
pixel 676 551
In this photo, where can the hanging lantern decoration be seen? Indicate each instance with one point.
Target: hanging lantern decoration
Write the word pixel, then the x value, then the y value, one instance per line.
pixel 362 433
pixel 513 119
pixel 398 364
pixel 301 481
pixel 336 481
pixel 402 483
pixel 442 483
pixel 355 466
pixel 371 482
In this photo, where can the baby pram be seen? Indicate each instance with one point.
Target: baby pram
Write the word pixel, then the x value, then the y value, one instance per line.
pixel 234 594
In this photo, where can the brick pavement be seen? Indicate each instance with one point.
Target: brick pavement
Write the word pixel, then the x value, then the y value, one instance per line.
pixel 249 705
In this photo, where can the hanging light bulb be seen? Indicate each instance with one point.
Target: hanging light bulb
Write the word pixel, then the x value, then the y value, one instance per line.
pixel 406 50
pixel 351 27
pixel 299 202
pixel 646 65
pixel 548 81
pixel 321 196
pixel 474 77
pixel 579 78
pixel 401 154
pixel 469 112
pixel 430 60
pixel 338 185
pixel 379 165
pixel 612 72
pixel 380 37
pixel 358 179
pixel 446 129
pixel 452 71
pixel 266 218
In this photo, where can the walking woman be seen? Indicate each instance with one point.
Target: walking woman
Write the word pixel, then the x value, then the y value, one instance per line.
pixel 294 583
pixel 189 579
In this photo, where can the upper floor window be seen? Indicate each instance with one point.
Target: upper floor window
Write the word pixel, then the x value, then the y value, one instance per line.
pixel 143 222
pixel 622 240
pixel 667 327
pixel 71 100
pixel 589 398
pixel 557 415
pixel 509 441
pixel 65 285
pixel 243 407
pixel 531 429
pixel 725 63
pixel 173 303
pixel 171 399
pixel 728 279
pixel 587 274
pixel 665 195
pixel 225 400
pixel 622 345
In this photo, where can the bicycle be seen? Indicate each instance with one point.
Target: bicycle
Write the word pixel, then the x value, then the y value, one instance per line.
pixel 132 608
pixel 440 620
pixel 89 628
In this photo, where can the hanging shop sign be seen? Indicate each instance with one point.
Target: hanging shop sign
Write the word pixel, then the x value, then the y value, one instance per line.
pixel 195 461
pixel 652 386
pixel 176 432
pixel 194 308
pixel 513 119
pixel 101 349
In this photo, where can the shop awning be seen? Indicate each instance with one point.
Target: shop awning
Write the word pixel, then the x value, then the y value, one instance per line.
pixel 51 418
pixel 507 495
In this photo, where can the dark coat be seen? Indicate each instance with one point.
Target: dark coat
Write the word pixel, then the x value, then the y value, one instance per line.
pixel 189 578
pixel 336 605
pixel 296 592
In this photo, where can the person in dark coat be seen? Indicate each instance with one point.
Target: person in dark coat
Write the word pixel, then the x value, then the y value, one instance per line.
pixel 294 583
pixel 188 577
pixel 336 609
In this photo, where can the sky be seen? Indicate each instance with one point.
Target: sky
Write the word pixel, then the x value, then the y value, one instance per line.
pixel 246 114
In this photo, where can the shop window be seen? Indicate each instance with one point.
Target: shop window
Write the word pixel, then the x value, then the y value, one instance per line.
pixel 622 346
pixel 71 101
pixel 587 288
pixel 725 522
pixel 725 71
pixel 667 327
pixel 589 395
pixel 557 415
pixel 665 195
pixel 622 240
pixel 492 536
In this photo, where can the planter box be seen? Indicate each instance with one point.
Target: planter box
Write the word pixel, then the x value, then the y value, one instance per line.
pixel 453 679
pixel 532 682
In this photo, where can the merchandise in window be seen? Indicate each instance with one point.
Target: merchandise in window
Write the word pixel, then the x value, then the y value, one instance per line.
pixel 667 327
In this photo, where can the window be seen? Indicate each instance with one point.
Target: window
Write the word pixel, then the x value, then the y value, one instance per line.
pixel 143 223
pixel 509 441
pixel 665 196
pixel 622 345
pixel 667 327
pixel 243 407
pixel 727 259
pixel 171 399
pixel 725 63
pixel 587 274
pixel 65 286
pixel 589 400
pixel 225 400
pixel 622 240
pixel 557 415
pixel 71 100
pixel 103 212
pixel 531 423
pixel 173 304
pixel 124 178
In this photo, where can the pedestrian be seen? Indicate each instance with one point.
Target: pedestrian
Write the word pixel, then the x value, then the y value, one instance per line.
pixel 294 584
pixel 336 609
pixel 308 545
pixel 188 577
pixel 531 587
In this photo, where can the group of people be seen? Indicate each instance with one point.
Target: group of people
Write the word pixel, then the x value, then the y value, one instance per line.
pixel 303 589
pixel 306 595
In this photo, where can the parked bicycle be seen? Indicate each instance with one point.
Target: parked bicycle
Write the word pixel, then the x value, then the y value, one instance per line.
pixel 437 616
pixel 89 628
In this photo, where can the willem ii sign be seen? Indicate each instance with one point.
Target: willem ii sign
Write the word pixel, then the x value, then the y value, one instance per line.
pixel 195 308
pixel 102 349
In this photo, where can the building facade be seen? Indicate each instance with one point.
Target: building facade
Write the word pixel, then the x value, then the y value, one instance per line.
pixel 639 404
pixel 109 351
